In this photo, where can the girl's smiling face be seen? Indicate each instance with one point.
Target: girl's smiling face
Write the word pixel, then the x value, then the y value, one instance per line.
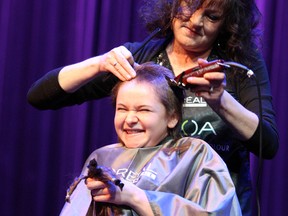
pixel 141 120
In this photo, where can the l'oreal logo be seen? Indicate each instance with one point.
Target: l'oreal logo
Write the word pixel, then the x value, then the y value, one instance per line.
pixel 194 102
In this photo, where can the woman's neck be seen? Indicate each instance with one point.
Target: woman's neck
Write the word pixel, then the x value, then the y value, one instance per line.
pixel 181 59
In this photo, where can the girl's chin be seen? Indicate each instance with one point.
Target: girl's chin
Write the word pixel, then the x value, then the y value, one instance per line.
pixel 128 145
pixel 134 143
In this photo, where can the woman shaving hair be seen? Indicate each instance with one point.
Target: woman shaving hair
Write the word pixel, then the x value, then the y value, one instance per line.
pixel 222 108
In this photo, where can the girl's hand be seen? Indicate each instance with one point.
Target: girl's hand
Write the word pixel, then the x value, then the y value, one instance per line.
pixel 131 195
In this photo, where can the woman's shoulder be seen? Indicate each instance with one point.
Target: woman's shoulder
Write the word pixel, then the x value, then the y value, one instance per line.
pixel 153 45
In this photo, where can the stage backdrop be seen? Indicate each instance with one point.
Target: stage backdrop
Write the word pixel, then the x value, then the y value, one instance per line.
pixel 42 151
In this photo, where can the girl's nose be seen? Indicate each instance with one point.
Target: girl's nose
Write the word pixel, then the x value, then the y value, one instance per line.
pixel 131 117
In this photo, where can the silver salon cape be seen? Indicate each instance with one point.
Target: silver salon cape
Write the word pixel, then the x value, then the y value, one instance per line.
pixel 186 177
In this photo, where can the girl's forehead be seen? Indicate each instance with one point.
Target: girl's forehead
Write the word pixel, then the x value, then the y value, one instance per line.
pixel 135 84
pixel 141 88
pixel 138 95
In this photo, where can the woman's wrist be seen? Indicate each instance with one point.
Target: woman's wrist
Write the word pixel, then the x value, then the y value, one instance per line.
pixel 243 121
pixel 72 77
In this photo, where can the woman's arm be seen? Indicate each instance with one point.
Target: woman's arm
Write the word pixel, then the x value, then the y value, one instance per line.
pixel 242 115
pixel 118 61
pixel 83 81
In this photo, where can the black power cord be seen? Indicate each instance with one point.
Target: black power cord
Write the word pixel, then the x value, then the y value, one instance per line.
pixel 260 159
pixel 250 74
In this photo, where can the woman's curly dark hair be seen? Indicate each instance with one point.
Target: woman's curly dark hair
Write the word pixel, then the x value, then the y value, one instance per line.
pixel 239 36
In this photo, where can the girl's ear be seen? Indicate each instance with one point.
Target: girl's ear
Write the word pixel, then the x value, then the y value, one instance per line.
pixel 173 121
